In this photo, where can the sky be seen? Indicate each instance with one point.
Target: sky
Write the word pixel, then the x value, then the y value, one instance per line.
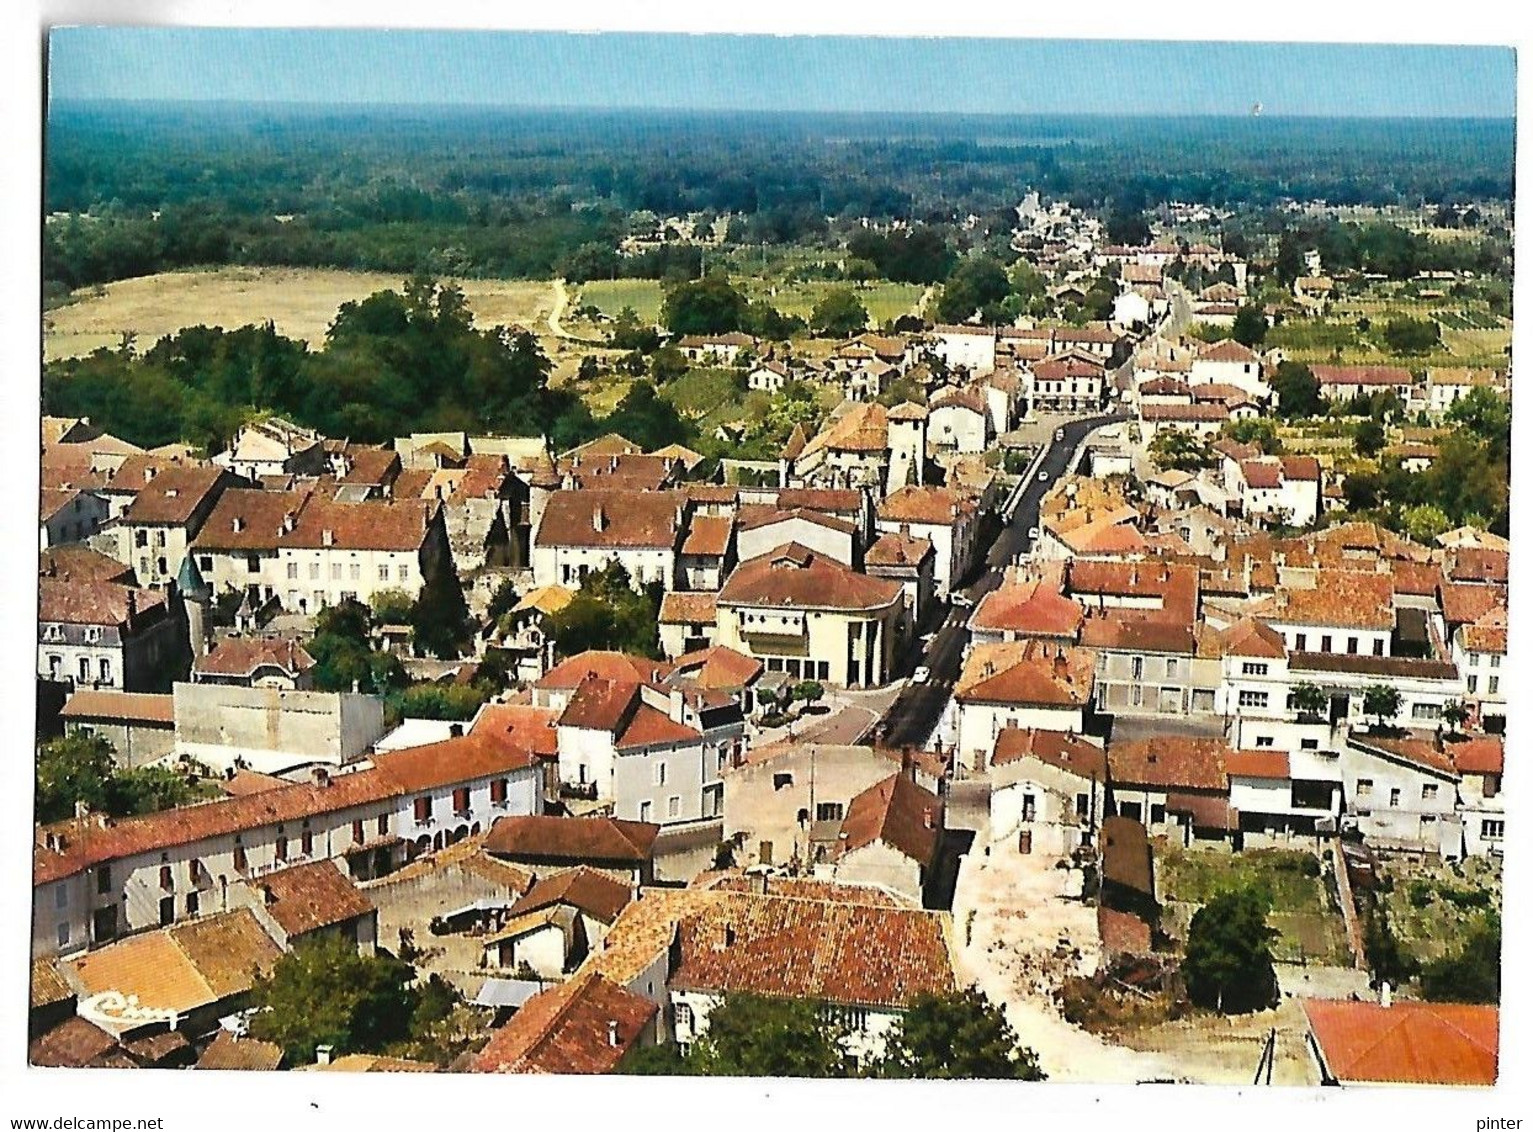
pixel 737 72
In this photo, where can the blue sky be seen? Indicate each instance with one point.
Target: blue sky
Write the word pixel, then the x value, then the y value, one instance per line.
pixel 718 72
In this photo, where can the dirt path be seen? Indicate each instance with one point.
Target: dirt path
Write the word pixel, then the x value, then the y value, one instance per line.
pixel 556 312
pixel 1008 950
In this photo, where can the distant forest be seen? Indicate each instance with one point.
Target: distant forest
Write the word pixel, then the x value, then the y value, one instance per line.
pixel 512 194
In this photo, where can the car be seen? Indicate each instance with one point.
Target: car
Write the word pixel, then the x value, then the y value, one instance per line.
pixel 1059 434
pixel 921 675
pixel 961 600
pixel 1042 476
pixel 1032 533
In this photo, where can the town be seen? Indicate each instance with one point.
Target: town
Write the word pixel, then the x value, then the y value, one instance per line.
pixel 1100 648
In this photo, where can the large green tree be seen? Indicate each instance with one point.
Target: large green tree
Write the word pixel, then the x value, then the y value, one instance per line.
pixel 1250 328
pixel 703 306
pixel 80 769
pixel 1228 960
pixel 607 613
pixel 962 1035
pixel 1181 450
pixel 324 993
pixel 838 314
pixel 1382 701
pixel 1298 391
pixel 1471 972
pixel 755 1036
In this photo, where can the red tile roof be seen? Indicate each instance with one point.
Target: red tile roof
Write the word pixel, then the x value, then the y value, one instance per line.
pixel 1249 637
pixel 586 1025
pixel 593 892
pixel 938 506
pixel 306 898
pixel 241 656
pixel 1407 1043
pixel 1362 375
pixel 612 518
pixel 793 575
pixel 895 549
pixel 575 840
pixel 649 727
pixel 568 674
pixel 1185 761
pixel 81 564
pixel 1071 753
pixel 718 668
pixel 1465 602
pixel 1226 350
pixel 1257 764
pixel 898 813
pixel 1485 754
pixel 1027 672
pixel 1031 608
pixel 678 608
pixel 174 495
pixel 137 707
pixel 73 602
pixel 229 1052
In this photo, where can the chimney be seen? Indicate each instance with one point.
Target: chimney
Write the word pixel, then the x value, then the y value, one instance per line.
pixel 132 604
pixel 328 537
pixel 455 730
pixel 322 1054
pixel 599 519
pixel 1386 995
pixel 321 776
pixel 612 1033
pixel 927 818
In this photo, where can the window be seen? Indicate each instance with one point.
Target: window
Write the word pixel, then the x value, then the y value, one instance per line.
pixel 1473 683
pixel 106 671
pixel 1495 660
pixel 1253 668
pixel 1492 829
pixel 241 863
pixel 167 911
pixel 167 880
pixel 85 670
pixel 1264 740
pixel 252 563
pixel 292 570
pixel 1325 643
pixel 422 810
pixel 673 807
pixel 313 571
pixel 1394 796
pixel 140 537
pixel 1364 787
pixel 383 825
pixel 1309 744
pixel 205 563
pixel 1378 647
pixel 683 1015
pixel 660 774
pixel 1428 791
pixel 1029 807
pixel 460 800
pixel 1252 699
pixel 1301 642
pixel 781 780
pixel 356 571
pixel 404 572
pixel 281 852
pixel 307 841
pixel 498 789
pixel 646 809
pixel 191 903
pixel 1493 685
pixel 63 936
pixel 1082 805
pixel 383 572
pixel 1137 668
pixel 335 571
pixel 1352 644
pixel 1426 711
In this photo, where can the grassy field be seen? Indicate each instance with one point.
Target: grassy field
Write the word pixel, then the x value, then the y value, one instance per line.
pixel 1471 335
pixel 300 301
pixel 1431 905
pixel 610 296
pixel 884 301
pixel 1309 928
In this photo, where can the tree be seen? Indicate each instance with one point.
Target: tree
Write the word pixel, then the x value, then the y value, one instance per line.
pixel 838 314
pixel 1425 522
pixel 1250 328
pixel 752 1035
pixel 978 284
pixel 1126 227
pixel 1298 391
pixel 70 770
pixel 1228 962
pixel 703 306
pixel 439 619
pixel 1309 699
pixel 1411 335
pixel 607 614
pixel 439 701
pixel 324 993
pixel 1382 701
pixel 1184 451
pixel 956 1036
pixel 1473 972
pixel 1454 713
pixel 1369 437
pixel 391 607
pixel 809 691
pixel 1260 431
pixel 343 654
pixel 667 364
pixel 502 601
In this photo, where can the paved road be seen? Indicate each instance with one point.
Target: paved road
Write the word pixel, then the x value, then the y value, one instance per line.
pixel 913 716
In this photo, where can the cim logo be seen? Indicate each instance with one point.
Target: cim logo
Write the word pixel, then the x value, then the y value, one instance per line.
pixel 117 1009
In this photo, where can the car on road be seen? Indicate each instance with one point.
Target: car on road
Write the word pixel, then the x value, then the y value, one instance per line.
pixel 1059 434
pixel 961 600
pixel 1042 476
pixel 921 675
pixel 1032 533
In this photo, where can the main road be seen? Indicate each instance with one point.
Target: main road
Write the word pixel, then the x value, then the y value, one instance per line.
pixel 913 716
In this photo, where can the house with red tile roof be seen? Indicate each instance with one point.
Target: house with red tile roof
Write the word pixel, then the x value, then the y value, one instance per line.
pixel 958 420
pixel 889 838
pixel 1027 607
pixel 1040 684
pixel 943 516
pixel 586 1025
pixel 583 531
pixel 107 634
pixel 1227 362
pixel 1403 1043
pixel 310 901
pixel 1342 383
pixel 140 726
pixel 1177 784
pixel 545 842
pixel 256 662
pixel 166 515
pixel 802 612
pixel 1048 790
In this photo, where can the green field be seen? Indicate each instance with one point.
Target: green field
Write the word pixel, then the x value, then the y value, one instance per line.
pixel 1310 929
pixel 610 296
pixel 1432 905
pixel 884 301
pixel 1471 336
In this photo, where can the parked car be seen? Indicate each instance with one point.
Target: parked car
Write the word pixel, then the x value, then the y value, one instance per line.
pixel 1059 434
pixel 1032 533
pixel 921 675
pixel 1042 476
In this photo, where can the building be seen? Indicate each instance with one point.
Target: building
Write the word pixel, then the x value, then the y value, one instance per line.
pixel 1075 382
pixel 1403 1043
pixel 1028 684
pixel 267 728
pixel 585 531
pixel 1343 383
pixel 109 635
pixel 890 838
pixel 944 517
pixel 803 613
pixel 614 845
pixel 256 662
pixel 587 1025
pixel 958 420
pixel 274 447
pixel 166 514
pixel 1048 790
pixel 68 515
pixel 140 726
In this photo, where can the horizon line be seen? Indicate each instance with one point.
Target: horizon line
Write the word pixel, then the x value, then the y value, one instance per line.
pixel 54 100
